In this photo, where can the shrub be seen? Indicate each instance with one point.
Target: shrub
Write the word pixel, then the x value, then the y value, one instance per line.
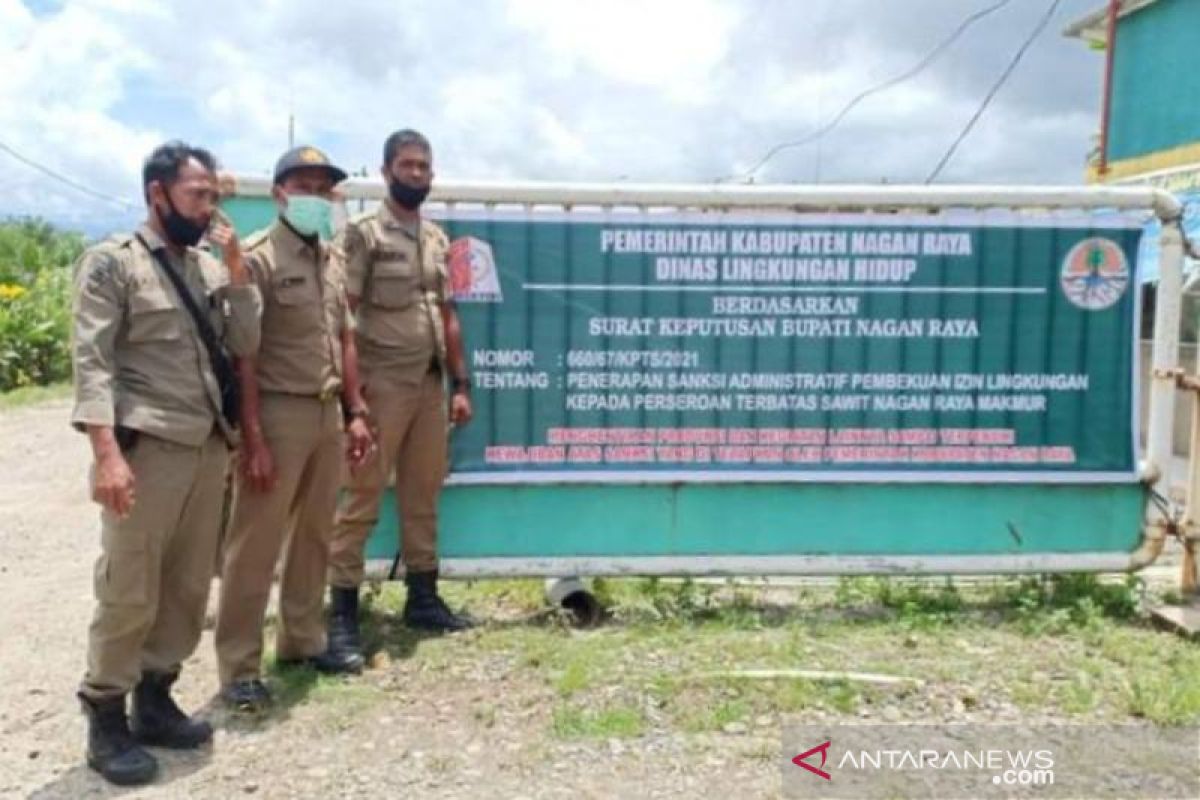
pixel 35 303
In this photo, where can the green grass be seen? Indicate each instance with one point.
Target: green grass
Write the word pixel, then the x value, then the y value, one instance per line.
pixel 574 679
pixel 670 655
pixel 1079 696
pixel 33 395
pixel 1075 645
pixel 712 704
pixel 523 595
pixel 618 721
pixel 291 684
pixel 1164 699
pixel 715 715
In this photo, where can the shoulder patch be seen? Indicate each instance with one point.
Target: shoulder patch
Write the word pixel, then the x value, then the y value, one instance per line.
pixel 98 266
pixel 358 234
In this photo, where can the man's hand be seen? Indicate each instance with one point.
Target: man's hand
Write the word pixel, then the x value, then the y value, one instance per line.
pixel 223 236
pixel 258 467
pixel 460 407
pixel 360 444
pixel 112 484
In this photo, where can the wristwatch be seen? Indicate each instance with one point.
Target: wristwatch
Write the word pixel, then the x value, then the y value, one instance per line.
pixel 350 414
pixel 460 384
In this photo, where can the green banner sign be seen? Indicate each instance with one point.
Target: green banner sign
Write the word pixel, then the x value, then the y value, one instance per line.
pixel 792 347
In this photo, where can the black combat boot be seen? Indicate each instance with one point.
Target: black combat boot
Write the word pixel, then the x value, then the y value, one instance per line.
pixel 329 662
pixel 250 695
pixel 343 651
pixel 425 609
pixel 345 644
pixel 111 750
pixel 157 721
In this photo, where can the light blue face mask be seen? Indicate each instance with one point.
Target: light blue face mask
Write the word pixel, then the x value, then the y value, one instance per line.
pixel 310 215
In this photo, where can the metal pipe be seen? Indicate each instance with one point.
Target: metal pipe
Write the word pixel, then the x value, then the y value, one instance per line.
pixel 797 197
pixel 1154 537
pixel 1114 6
pixel 994 564
pixel 1190 527
pixel 1164 359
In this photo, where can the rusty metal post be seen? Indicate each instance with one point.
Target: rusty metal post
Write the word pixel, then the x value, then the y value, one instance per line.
pixel 1190 529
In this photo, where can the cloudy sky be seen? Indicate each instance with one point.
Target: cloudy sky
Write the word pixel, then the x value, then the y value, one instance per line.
pixel 631 90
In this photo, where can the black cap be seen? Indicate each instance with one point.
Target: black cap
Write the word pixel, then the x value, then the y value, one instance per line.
pixel 306 156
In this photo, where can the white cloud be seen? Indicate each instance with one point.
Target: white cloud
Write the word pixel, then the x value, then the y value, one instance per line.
pixel 671 45
pixel 15 23
pixel 56 105
pixel 653 90
pixel 566 146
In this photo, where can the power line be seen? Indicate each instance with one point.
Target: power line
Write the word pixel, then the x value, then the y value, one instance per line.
pixel 912 72
pixel 108 198
pixel 1004 76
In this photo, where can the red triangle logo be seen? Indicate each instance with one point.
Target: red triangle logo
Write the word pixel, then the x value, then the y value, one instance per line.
pixel 823 749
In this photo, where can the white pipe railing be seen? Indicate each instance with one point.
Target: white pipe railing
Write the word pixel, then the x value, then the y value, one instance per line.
pixel 1165 355
pixel 1162 203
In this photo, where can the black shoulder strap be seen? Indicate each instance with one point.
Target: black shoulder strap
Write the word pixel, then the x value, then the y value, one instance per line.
pixel 421 261
pixel 222 366
pixel 215 352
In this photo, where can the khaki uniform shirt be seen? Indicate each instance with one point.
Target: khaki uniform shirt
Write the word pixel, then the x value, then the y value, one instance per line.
pixel 399 274
pixel 304 312
pixel 138 358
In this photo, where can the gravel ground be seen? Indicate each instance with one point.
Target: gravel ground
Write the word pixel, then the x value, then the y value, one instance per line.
pixel 463 717
pixel 414 731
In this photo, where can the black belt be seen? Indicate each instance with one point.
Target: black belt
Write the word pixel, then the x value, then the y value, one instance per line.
pixel 323 396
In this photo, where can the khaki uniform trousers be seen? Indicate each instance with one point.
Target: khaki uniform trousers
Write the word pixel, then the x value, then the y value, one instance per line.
pixel 155 568
pixel 304 435
pixel 412 433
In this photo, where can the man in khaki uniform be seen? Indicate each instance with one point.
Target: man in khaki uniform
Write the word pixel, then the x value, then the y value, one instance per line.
pixel 410 344
pixel 147 395
pixel 292 425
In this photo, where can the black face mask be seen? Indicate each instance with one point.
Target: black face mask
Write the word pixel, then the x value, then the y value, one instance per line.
pixel 179 229
pixel 409 197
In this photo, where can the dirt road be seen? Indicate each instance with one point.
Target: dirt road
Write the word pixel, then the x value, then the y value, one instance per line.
pixel 649 705
pixel 460 723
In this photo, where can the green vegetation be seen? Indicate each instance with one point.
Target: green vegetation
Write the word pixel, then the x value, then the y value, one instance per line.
pixel 708 657
pixel 35 281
